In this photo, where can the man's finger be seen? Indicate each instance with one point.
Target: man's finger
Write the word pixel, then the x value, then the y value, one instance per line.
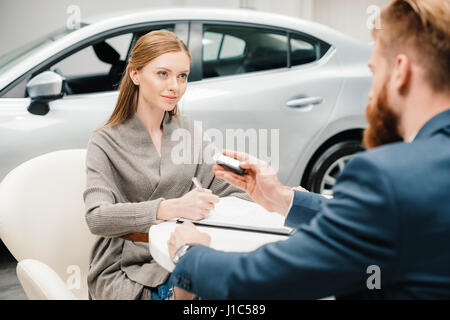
pixel 236 176
pixel 221 172
pixel 217 167
pixel 241 156
pixel 251 166
pixel 228 177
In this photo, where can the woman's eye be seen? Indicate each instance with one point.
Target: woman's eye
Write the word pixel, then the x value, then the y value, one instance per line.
pixel 162 73
pixel 183 76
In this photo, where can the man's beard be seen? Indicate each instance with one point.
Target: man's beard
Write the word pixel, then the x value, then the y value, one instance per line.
pixel 383 123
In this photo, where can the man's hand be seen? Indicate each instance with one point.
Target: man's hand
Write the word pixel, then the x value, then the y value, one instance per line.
pixel 260 182
pixel 186 233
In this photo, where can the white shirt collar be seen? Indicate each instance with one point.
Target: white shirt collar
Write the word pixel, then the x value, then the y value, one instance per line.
pixel 412 137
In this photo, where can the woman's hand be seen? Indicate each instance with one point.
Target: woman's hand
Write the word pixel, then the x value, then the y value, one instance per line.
pixel 194 205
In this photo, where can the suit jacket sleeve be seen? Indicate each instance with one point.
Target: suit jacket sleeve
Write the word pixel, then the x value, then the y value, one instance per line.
pixel 305 206
pixel 329 256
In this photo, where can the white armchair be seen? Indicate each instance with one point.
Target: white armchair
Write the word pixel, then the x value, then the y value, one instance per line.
pixel 42 223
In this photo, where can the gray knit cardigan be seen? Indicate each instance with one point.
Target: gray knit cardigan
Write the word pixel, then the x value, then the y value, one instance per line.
pixel 126 180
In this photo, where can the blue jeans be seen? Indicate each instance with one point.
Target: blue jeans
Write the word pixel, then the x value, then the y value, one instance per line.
pixel 162 292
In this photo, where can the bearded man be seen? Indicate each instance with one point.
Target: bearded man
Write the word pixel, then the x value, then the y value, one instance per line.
pixel 386 232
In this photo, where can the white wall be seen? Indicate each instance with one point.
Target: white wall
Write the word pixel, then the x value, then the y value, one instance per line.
pixel 348 16
pixel 24 20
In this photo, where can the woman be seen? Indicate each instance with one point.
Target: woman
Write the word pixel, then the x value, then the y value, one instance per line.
pixel 132 180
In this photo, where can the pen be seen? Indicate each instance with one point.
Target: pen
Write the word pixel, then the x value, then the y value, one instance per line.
pixel 197 184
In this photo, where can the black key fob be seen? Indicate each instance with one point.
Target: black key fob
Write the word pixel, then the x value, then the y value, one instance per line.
pixel 230 164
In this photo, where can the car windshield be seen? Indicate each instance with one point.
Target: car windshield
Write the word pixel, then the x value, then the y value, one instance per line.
pixel 10 59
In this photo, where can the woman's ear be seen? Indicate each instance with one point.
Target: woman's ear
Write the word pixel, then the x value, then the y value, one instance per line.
pixel 134 75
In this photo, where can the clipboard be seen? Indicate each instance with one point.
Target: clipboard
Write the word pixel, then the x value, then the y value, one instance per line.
pixel 285 231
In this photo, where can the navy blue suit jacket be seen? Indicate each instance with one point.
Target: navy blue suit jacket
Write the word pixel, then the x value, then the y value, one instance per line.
pixel 391 209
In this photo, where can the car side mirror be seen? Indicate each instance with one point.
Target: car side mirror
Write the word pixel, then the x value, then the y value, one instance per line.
pixel 42 89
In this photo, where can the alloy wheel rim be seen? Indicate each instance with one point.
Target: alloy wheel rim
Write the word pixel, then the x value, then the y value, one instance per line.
pixel 330 176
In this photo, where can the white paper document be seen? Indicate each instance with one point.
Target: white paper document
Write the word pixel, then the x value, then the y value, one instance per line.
pixel 235 213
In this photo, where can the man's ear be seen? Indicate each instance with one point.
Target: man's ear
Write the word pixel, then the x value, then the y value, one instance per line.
pixel 402 73
pixel 134 75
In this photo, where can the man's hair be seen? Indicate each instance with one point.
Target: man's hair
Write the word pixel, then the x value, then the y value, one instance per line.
pixel 422 29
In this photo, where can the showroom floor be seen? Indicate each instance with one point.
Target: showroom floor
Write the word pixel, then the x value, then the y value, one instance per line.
pixel 10 288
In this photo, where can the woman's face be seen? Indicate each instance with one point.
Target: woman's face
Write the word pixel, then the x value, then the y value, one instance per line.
pixel 162 82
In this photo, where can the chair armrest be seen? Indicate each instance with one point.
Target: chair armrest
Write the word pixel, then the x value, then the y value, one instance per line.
pixel 40 282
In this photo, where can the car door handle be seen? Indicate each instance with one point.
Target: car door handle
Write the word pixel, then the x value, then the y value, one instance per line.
pixel 304 102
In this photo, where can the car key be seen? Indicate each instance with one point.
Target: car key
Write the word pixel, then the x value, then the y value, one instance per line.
pixel 229 163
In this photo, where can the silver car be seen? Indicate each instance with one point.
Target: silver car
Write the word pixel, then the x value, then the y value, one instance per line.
pixel 301 83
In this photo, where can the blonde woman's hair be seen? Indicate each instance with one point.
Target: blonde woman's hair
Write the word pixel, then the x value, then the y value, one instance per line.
pixel 147 48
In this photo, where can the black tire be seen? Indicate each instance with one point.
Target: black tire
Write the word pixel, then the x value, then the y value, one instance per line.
pixel 329 164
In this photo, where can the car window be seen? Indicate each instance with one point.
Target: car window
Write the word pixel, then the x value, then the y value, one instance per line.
pixel 96 68
pixel 229 50
pixel 232 47
pixel 211 45
pixel 100 66
pixel 87 62
pixel 221 46
pixel 10 59
pixel 303 50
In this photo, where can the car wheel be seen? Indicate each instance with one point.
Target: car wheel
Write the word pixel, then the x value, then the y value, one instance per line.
pixel 329 165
